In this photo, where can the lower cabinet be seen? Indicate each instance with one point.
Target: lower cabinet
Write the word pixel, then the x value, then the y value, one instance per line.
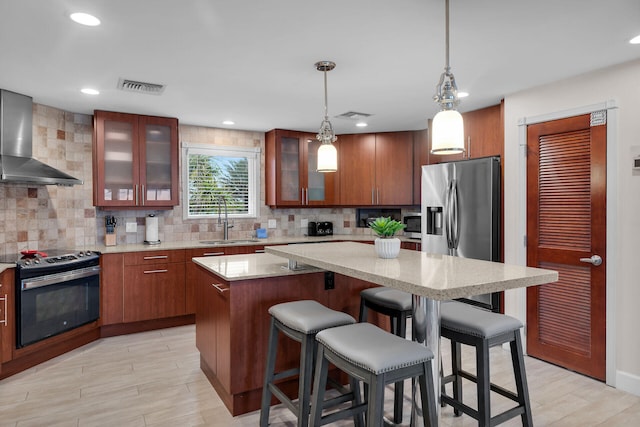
pixel 7 328
pixel 154 285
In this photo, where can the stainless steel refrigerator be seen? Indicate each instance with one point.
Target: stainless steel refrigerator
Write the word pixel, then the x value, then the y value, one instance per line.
pixel 461 213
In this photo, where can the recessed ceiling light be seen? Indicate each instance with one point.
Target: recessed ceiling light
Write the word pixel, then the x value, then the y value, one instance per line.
pixel 229 122
pixel 89 91
pixel 635 40
pixel 361 124
pixel 463 94
pixel 85 19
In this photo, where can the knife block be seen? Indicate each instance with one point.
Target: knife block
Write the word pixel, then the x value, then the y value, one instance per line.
pixel 110 238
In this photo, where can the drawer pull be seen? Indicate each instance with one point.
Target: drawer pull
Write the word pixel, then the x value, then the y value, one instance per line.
pixel 4 321
pixel 212 253
pixel 259 251
pixel 155 271
pixel 219 288
pixel 156 257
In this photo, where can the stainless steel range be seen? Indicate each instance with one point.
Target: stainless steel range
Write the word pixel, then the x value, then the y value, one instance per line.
pixel 56 291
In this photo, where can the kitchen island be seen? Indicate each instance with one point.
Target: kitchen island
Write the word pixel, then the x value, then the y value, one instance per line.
pixel 233 295
pixel 431 278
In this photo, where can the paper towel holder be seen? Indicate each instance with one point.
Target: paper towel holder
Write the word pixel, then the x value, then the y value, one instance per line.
pixel 151 230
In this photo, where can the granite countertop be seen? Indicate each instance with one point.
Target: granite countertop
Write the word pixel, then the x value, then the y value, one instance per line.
pixel 251 266
pixel 439 277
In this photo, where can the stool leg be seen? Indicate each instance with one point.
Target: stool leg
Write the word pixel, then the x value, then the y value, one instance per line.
pixel 358 419
pixel 428 399
pixel 399 328
pixel 456 366
pixel 319 387
pixel 304 381
pixel 483 384
pixel 521 379
pixel 363 311
pixel 375 404
pixel 269 374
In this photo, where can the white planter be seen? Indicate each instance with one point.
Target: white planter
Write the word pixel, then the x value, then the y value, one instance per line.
pixel 387 248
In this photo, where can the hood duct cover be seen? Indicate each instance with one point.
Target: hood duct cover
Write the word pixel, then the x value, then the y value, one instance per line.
pixel 16 145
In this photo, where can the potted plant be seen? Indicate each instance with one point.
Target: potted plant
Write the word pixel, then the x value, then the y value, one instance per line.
pixel 387 245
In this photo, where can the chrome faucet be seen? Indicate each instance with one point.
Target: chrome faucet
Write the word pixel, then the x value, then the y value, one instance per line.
pixel 225 223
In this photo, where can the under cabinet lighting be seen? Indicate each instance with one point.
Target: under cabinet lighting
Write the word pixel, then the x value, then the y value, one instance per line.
pixel 635 40
pixel 229 122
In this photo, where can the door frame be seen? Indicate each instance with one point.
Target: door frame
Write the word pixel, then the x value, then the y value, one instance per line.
pixel 612 196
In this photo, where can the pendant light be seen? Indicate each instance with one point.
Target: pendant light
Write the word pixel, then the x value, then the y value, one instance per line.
pixel 327 153
pixel 447 136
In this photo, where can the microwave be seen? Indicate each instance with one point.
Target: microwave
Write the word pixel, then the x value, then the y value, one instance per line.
pixel 413 224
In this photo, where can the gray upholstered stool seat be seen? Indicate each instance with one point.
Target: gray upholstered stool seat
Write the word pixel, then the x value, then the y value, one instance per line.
pixel 376 358
pixel 300 321
pixel 465 324
pixel 398 306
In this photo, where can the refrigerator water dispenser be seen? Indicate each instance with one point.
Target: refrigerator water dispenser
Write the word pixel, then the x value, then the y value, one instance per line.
pixel 434 220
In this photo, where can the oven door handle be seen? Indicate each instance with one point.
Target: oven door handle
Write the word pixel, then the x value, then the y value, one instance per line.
pixel 58 278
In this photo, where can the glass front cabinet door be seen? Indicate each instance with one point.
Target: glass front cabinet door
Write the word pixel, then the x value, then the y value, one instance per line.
pixel 135 160
pixel 291 176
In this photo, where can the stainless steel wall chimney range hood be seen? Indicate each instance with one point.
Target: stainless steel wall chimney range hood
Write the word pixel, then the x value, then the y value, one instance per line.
pixel 16 161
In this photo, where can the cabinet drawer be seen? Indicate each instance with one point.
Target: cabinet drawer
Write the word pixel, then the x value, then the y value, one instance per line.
pixel 154 257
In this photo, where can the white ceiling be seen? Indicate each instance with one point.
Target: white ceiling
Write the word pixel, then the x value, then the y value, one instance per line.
pixel 251 61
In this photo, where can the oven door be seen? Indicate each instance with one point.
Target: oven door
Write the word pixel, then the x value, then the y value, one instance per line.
pixel 52 304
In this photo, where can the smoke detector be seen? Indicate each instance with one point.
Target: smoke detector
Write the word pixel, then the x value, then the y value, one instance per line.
pixel 353 115
pixel 140 87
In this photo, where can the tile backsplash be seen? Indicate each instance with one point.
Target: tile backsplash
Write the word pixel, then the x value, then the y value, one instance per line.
pixel 44 217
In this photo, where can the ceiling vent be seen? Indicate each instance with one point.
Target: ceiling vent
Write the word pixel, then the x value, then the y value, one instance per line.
pixel 353 115
pixel 140 87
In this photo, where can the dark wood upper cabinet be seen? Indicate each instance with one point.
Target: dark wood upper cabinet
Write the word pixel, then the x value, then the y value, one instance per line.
pixel 291 179
pixel 135 161
pixel 376 169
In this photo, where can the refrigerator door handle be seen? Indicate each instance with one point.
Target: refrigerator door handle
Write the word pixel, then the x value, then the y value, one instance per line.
pixel 455 224
pixel 447 216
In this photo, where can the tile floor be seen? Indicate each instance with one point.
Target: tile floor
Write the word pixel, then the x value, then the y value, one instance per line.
pixel 154 379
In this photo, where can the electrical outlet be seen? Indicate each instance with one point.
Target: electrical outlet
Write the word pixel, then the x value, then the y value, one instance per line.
pixel 304 223
pixel 132 227
pixel 272 223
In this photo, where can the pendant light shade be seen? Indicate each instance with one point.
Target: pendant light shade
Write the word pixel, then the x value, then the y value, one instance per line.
pixel 327 158
pixel 327 153
pixel 447 133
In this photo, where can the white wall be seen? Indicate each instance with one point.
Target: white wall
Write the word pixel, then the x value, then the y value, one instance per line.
pixel 618 85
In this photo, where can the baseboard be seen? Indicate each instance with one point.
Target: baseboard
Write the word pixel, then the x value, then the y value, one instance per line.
pixel 628 382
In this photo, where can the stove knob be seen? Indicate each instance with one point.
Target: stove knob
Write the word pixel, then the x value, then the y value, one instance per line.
pixel 89 253
pixel 36 261
pixel 80 254
pixel 27 262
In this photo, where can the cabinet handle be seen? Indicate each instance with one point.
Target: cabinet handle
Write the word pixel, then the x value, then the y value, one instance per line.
pixel 259 251
pixel 219 288
pixel 155 271
pixel 136 191
pixel 306 192
pixel 142 196
pixel 213 253
pixel 156 257
pixel 373 202
pixel 4 321
pixel 468 147
pixel 377 196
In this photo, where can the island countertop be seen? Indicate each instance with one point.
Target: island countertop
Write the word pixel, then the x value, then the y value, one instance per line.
pixel 250 266
pixel 439 277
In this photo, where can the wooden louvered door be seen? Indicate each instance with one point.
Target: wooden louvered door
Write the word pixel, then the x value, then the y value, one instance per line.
pixel 566 226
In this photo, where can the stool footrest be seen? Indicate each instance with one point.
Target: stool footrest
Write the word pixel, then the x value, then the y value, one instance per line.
pixel 283 398
pixel 494 387
pixel 286 374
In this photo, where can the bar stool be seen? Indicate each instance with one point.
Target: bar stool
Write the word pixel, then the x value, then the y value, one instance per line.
pixel 464 324
pixel 375 357
pixel 398 306
pixel 300 321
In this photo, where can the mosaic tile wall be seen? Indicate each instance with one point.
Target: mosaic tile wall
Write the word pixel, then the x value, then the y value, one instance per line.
pixel 42 217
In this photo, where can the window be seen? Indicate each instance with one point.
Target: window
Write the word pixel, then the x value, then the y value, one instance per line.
pixel 215 173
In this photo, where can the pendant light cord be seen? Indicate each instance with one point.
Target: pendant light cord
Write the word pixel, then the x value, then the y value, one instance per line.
pixel 446 43
pixel 326 103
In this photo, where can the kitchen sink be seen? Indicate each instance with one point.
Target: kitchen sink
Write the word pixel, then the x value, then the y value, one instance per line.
pixel 228 242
